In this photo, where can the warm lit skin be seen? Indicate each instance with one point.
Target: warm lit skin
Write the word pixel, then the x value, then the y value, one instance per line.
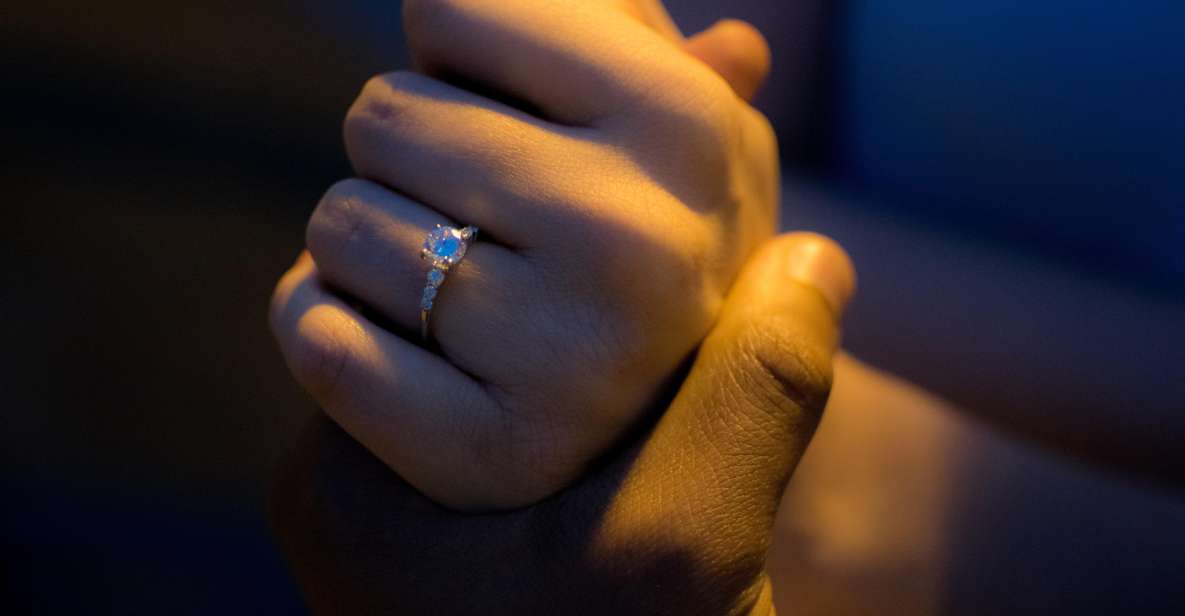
pixel 869 525
pixel 676 521
pixel 614 216
pixel 618 232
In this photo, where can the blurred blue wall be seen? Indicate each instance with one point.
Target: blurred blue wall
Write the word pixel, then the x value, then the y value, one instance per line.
pixel 1059 125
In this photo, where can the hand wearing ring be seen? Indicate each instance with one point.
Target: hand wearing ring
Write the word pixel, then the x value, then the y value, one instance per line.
pixel 616 206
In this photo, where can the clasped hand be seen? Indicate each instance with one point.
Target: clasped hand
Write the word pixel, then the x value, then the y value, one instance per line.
pixel 620 182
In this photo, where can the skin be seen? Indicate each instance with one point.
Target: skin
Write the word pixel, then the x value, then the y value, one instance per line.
pixel 619 180
pixel 908 504
pixel 676 521
pixel 667 503
pixel 866 526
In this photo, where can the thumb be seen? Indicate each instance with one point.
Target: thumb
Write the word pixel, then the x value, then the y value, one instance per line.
pixel 735 50
pixel 736 429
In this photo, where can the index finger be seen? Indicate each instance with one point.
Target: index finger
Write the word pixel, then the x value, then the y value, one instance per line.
pixel 575 61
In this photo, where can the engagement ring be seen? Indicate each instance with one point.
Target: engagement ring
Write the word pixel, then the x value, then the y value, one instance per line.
pixel 443 248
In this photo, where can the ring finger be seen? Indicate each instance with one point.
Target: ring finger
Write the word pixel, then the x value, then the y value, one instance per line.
pixel 366 242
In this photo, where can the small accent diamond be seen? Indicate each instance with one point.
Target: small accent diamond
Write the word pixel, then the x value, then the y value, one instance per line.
pixel 435 277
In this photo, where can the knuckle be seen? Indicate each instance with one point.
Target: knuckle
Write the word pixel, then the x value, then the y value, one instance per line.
pixel 685 261
pixel 381 109
pixel 370 104
pixel 787 365
pixel 705 113
pixel 678 261
pixel 337 221
pixel 318 354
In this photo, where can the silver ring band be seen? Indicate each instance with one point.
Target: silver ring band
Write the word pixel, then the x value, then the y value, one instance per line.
pixel 443 248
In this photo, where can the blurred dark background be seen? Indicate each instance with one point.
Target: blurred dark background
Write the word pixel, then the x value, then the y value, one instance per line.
pixel 161 160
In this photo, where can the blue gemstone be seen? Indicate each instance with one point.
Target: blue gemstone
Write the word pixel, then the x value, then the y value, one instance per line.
pixel 445 246
pixel 448 246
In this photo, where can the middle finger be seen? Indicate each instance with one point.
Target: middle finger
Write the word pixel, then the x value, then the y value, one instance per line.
pixel 468 157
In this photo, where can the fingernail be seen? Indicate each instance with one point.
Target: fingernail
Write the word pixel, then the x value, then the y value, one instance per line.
pixel 819 262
